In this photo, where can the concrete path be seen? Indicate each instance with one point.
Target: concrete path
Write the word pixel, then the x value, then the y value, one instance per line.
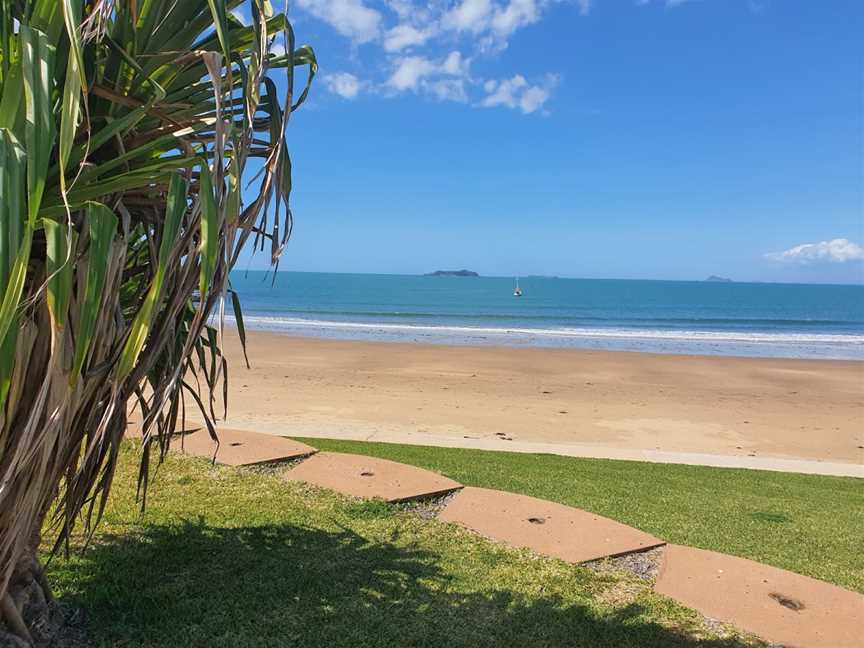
pixel 240 447
pixel 235 447
pixel 779 464
pixel 772 603
pixel 548 528
pixel 370 477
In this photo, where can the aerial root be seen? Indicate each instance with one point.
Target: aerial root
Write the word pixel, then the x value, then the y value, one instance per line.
pixel 42 581
pixel 14 621
pixel 27 608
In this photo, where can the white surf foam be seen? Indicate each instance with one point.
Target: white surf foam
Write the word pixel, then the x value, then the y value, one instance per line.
pixel 740 337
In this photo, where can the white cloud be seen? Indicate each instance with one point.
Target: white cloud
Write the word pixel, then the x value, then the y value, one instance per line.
pixel 343 84
pixel 455 65
pixel 492 22
pixel 495 23
pixel 533 98
pixel 403 8
pixel 447 90
pixel 469 15
pixel 409 71
pixel 410 36
pixel 517 93
pixel 412 72
pixel 837 250
pixel 503 92
pixel 402 36
pixel 416 14
pixel 350 18
pixel 516 14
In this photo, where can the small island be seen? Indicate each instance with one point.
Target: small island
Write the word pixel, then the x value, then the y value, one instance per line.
pixel 452 273
pixel 717 279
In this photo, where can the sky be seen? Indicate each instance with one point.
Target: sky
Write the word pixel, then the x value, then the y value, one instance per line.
pixel 644 139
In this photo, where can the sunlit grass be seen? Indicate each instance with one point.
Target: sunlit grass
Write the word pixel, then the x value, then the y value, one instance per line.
pixel 233 557
pixel 810 524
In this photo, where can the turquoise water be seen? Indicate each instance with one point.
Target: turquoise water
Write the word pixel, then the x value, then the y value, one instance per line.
pixel 781 320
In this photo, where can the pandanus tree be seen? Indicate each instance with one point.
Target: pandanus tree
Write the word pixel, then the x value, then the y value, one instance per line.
pixel 142 145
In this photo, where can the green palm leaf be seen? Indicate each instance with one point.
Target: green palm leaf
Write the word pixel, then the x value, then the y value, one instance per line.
pixel 122 167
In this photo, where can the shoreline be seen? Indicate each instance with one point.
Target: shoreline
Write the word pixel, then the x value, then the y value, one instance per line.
pixel 769 413
pixel 742 343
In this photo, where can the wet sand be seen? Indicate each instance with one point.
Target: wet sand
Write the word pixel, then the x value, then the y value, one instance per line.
pixel 591 403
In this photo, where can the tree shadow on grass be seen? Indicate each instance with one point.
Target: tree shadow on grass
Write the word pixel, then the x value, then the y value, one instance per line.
pixel 283 585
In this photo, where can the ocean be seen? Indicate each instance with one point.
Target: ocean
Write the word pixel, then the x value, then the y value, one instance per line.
pixel 741 319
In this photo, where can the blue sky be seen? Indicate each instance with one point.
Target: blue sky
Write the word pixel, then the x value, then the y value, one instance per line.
pixel 582 138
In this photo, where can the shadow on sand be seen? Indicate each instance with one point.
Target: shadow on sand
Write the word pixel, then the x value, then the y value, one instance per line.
pixel 196 585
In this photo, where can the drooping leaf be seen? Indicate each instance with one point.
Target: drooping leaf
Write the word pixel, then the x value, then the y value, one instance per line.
pixel 59 246
pixel 175 206
pixel 241 328
pixel 209 229
pixel 102 227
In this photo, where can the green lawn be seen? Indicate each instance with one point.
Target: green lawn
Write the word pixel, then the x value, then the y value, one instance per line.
pixel 809 524
pixel 232 557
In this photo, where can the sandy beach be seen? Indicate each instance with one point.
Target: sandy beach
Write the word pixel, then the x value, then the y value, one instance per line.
pixel 587 403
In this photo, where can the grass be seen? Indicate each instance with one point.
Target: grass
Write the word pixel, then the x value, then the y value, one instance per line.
pixel 234 557
pixel 809 524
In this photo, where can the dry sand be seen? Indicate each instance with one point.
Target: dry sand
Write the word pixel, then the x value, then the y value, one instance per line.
pixel 590 403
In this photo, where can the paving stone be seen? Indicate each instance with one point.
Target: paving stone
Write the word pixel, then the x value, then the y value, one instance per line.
pixel 240 447
pixel 545 527
pixel 777 605
pixel 236 447
pixel 370 477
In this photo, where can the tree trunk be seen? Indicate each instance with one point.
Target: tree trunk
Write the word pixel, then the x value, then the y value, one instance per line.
pixel 29 613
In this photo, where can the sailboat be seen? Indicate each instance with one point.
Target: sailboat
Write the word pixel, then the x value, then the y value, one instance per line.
pixel 518 291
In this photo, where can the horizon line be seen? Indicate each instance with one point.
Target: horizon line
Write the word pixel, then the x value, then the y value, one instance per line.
pixel 544 276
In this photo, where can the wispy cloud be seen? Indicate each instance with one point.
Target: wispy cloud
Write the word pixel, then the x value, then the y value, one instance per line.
pixel 515 15
pixel 517 93
pixel 444 79
pixel 469 15
pixel 409 71
pixel 351 18
pixel 447 90
pixel 839 250
pixel 410 36
pixel 404 36
pixel 494 24
pixel 343 84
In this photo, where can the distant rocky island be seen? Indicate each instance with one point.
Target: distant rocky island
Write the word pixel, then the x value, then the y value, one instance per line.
pixel 452 273
pixel 719 279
